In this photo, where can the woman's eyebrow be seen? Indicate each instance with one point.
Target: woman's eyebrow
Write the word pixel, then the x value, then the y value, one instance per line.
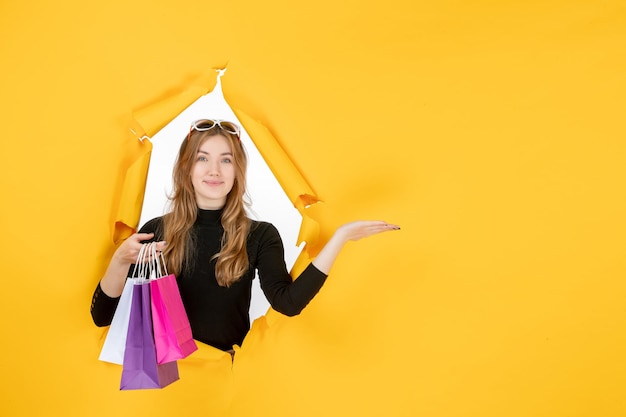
pixel 223 153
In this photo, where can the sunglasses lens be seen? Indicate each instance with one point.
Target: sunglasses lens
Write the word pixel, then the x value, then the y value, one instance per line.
pixel 202 125
pixel 230 128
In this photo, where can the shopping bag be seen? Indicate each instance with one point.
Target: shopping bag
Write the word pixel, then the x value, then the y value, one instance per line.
pixel 172 331
pixel 140 368
pixel 167 348
pixel 115 342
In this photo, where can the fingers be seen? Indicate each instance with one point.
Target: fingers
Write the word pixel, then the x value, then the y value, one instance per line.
pixel 380 227
pixel 360 229
pixel 140 237
pixel 160 246
pixel 130 248
pixel 392 227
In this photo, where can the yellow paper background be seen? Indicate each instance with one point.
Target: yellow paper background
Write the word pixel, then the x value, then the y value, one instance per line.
pixel 492 133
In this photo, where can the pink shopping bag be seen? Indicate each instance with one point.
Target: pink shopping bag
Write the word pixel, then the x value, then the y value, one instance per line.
pixel 172 331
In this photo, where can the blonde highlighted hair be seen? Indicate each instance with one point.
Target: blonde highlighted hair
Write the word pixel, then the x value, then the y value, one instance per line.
pixel 232 259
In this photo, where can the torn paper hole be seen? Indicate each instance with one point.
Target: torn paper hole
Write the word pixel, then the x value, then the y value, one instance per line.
pixel 269 201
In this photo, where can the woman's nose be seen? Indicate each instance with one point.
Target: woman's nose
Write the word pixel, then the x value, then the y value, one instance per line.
pixel 214 168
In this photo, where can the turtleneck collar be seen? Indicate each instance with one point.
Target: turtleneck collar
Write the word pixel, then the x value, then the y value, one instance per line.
pixel 209 217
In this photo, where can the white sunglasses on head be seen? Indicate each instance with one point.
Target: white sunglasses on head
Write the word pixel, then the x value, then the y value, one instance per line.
pixel 203 125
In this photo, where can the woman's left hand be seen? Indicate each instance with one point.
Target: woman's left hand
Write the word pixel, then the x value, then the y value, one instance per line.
pixel 360 229
pixel 349 231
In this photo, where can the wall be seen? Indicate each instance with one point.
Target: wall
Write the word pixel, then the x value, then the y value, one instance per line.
pixel 492 133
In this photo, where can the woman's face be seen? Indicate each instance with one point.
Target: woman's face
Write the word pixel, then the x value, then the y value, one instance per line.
pixel 213 173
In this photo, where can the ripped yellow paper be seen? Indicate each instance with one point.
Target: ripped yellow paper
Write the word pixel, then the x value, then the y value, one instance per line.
pixel 503 161
pixel 294 184
pixel 149 120
pixel 146 122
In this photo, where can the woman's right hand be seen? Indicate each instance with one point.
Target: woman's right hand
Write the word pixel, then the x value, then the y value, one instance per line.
pixel 112 283
pixel 126 254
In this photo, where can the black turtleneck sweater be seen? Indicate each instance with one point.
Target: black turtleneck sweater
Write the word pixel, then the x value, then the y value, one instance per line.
pixel 219 316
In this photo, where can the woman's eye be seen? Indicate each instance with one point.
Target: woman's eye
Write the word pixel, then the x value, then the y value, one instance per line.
pixel 202 159
pixel 226 160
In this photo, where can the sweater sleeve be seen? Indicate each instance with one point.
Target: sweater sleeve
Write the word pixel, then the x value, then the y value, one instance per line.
pixel 284 295
pixel 102 306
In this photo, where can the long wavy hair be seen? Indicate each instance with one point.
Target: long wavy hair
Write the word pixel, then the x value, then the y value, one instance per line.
pixel 232 259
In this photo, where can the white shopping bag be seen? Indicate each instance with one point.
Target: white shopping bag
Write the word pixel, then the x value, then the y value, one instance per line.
pixel 115 342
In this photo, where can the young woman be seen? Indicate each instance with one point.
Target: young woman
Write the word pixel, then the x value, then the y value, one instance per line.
pixel 213 248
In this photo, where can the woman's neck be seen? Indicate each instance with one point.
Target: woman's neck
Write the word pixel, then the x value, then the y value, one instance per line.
pixel 210 216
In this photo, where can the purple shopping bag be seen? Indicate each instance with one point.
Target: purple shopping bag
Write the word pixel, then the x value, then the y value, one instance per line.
pixel 140 368
pixel 172 330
